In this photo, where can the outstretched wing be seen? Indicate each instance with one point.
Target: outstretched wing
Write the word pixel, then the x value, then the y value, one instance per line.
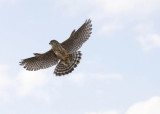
pixel 40 61
pixel 77 38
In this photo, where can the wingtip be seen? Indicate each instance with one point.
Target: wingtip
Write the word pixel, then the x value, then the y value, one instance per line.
pixel 88 20
pixel 20 63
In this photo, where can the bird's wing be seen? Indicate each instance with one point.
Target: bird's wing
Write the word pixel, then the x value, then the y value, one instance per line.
pixel 40 61
pixel 77 38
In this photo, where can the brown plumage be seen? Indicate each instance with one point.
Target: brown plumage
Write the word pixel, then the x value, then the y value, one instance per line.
pixel 66 53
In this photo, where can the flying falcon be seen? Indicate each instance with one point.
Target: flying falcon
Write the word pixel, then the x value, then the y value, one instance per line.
pixel 65 55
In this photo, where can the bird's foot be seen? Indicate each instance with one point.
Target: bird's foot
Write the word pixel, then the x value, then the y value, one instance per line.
pixel 67 55
pixel 64 63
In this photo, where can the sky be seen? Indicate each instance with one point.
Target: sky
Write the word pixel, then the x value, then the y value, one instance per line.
pixel 119 71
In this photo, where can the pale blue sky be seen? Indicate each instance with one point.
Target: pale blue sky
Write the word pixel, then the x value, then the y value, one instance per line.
pixel 119 71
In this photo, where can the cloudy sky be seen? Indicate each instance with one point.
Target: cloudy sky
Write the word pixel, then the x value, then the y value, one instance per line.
pixel 120 68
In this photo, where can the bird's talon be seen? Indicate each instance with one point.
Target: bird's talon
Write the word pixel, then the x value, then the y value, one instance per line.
pixel 67 55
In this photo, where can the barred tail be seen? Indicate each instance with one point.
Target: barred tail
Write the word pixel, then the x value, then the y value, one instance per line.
pixel 61 69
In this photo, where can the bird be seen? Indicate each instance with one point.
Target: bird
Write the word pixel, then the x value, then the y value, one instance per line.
pixel 66 55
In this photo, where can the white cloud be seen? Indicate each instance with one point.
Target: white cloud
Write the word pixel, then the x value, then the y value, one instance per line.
pixel 151 106
pixel 149 41
pixel 79 79
pixel 72 7
pixel 5 82
pixel 100 92
pixel 108 76
pixel 147 38
pixel 127 6
pixel 3 2
pixel 29 81
pixel 107 8
pixel 106 112
pixel 101 11
pixel 144 28
pixel 110 28
pixel 24 84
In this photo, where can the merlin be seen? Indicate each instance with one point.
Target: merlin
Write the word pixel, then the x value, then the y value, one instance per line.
pixel 65 55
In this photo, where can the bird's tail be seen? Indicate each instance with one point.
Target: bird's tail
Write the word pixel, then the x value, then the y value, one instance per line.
pixel 61 69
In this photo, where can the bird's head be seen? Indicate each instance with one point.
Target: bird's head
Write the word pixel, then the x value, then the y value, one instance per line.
pixel 54 43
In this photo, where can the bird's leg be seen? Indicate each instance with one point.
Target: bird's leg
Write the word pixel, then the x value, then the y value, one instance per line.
pixel 67 58
pixel 64 62
pixel 67 55
pixel 68 61
pixel 63 56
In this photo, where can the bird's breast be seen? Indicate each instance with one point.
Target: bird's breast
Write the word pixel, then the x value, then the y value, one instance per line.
pixel 60 52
